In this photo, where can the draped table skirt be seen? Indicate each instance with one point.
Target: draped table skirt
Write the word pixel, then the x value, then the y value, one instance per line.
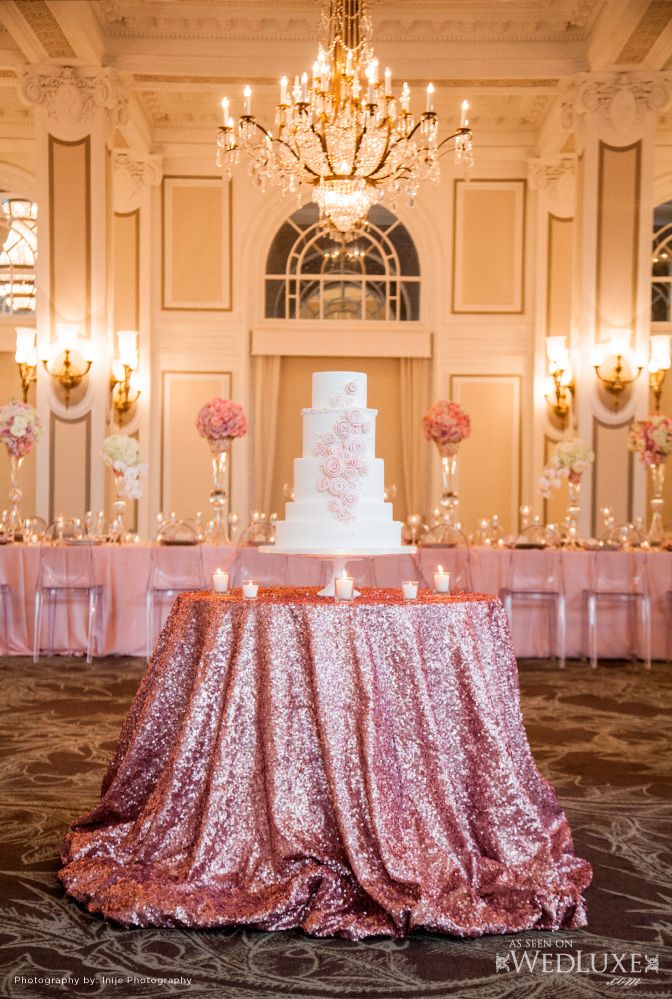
pixel 350 768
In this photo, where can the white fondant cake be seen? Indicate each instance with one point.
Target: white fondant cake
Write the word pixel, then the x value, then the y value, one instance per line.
pixel 338 483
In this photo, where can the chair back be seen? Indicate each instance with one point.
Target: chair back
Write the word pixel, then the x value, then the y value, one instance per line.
pixel 63 529
pixel 66 567
pixel 535 571
pixel 619 572
pixel 455 560
pixel 176 567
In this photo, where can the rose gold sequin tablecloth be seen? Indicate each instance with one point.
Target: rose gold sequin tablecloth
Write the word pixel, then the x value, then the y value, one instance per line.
pixel 347 768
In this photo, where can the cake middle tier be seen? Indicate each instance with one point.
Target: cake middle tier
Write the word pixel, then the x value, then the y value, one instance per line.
pixel 369 486
pixel 337 427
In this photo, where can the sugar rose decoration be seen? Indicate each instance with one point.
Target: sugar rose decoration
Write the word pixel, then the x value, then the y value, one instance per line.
pixel 651 439
pixel 220 419
pixel 342 463
pixel 447 425
pixel 20 428
pixel 569 460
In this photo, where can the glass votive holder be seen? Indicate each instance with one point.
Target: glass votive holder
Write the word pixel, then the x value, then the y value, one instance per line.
pixel 220 581
pixel 409 587
pixel 441 580
pixel 344 588
pixel 250 589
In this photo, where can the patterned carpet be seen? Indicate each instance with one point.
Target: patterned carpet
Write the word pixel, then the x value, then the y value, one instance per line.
pixel 602 740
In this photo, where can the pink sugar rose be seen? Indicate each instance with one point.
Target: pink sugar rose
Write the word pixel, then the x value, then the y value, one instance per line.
pixel 322 485
pixel 343 429
pixel 364 470
pixel 351 388
pixel 350 472
pixel 355 417
pixel 221 418
pixel 365 427
pixel 356 447
pixel 334 504
pixel 350 498
pixel 318 450
pixel 336 487
pixel 344 513
pixel 329 438
pixel 333 467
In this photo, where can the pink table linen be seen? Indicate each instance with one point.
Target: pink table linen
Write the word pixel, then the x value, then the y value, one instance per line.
pixel 347 768
pixel 123 571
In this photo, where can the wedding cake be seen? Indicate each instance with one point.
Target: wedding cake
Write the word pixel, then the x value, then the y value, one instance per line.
pixel 338 483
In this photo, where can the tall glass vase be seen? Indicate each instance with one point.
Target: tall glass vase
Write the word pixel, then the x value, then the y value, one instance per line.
pixel 449 502
pixel 13 527
pixel 118 530
pixel 219 453
pixel 573 511
pixel 656 534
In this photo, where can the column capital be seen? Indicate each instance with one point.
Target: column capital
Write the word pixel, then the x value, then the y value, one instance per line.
pixel 555 177
pixel 133 172
pixel 618 104
pixel 71 96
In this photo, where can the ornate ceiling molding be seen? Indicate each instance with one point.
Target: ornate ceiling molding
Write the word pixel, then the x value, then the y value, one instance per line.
pixel 618 105
pixel 71 97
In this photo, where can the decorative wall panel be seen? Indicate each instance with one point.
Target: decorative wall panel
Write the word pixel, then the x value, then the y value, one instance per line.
pixel 618 228
pixel 559 280
pixel 612 480
pixel 70 232
pixel 69 467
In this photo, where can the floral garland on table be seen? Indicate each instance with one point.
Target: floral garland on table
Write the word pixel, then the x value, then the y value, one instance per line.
pixel 569 460
pixel 122 454
pixel 342 456
pixel 221 419
pixel 447 425
pixel 651 439
pixel 20 428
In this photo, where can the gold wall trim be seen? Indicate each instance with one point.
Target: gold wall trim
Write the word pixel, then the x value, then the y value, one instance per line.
pixel 53 420
pixel 491 312
pixel 604 146
pixel 182 308
pixel 630 466
pixel 162 412
pixel 86 142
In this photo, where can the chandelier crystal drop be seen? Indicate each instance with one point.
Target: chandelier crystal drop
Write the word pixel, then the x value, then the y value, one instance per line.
pixel 345 133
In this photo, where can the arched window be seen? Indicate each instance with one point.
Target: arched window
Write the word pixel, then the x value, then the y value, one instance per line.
pixel 376 275
pixel 18 254
pixel 661 265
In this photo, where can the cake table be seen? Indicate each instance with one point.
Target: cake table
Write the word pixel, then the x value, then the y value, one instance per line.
pixel 336 561
pixel 349 768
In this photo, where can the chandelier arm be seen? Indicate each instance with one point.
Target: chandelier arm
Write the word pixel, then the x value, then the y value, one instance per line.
pixel 385 153
pixel 282 142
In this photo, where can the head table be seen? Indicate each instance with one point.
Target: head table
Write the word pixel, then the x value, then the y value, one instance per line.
pixel 349 768
pixel 123 572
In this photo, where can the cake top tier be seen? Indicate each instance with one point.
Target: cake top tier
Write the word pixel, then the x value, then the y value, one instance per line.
pixel 339 389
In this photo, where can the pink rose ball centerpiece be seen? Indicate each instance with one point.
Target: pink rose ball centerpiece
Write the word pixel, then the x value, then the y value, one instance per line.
pixel 447 425
pixel 20 430
pixel 219 422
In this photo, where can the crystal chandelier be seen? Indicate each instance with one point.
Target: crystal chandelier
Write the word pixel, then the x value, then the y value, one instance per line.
pixel 345 134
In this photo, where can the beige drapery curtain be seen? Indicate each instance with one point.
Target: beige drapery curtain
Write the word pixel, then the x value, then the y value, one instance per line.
pixel 416 453
pixel 267 369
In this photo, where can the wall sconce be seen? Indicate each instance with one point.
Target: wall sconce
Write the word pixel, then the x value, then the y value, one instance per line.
pixel 124 392
pixel 659 364
pixel 626 368
pixel 26 357
pixel 560 392
pixel 69 375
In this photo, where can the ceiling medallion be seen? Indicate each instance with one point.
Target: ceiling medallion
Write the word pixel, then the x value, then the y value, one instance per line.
pixel 345 133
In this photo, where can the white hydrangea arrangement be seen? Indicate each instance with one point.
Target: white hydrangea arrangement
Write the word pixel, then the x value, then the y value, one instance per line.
pixel 122 454
pixel 569 460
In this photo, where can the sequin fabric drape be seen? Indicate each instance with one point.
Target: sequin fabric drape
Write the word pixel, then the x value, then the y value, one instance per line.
pixel 347 768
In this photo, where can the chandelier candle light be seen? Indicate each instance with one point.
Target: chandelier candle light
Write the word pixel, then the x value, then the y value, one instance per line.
pixel 219 421
pixel 345 133
pixel 652 440
pixel 20 429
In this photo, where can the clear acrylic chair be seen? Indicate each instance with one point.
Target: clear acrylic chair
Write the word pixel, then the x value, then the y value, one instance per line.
pixel 536 577
pixel 4 618
pixel 453 555
pixel 620 579
pixel 176 566
pixel 68 573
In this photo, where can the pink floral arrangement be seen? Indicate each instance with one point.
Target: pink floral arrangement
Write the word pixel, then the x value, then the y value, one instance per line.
pixel 20 428
pixel 651 439
pixel 221 418
pixel 447 425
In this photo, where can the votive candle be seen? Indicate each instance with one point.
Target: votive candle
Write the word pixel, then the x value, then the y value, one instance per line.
pixel 441 580
pixel 409 588
pixel 220 581
pixel 250 588
pixel 344 587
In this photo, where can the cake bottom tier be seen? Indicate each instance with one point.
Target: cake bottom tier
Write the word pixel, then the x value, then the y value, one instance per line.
pixel 331 534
